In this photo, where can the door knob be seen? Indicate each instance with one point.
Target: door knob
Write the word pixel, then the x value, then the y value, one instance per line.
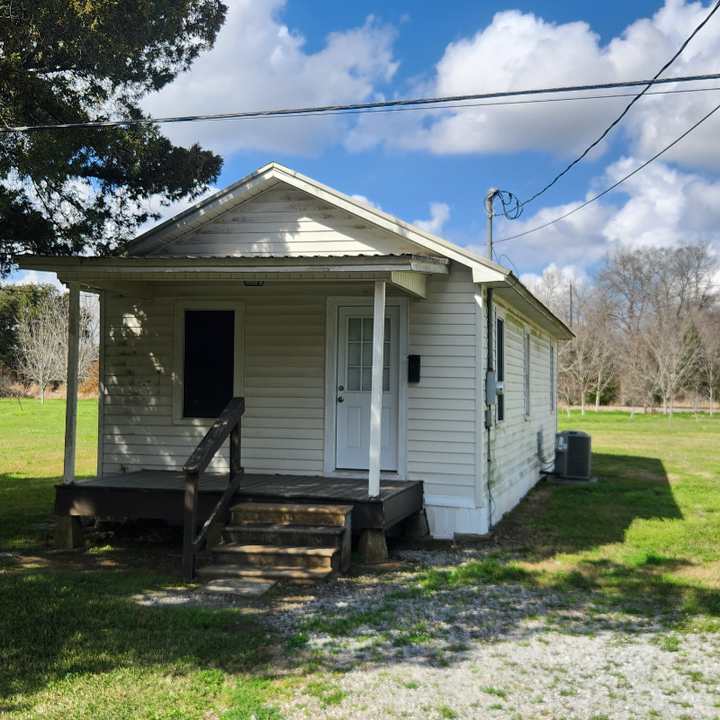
pixel 341 399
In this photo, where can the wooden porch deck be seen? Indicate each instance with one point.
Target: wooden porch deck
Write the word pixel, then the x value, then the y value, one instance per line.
pixel 159 494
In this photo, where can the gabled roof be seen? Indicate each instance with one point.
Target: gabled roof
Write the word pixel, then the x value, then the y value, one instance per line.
pixel 160 238
pixel 412 241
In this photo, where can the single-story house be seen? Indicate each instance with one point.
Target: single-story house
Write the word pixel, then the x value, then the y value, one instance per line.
pixel 272 290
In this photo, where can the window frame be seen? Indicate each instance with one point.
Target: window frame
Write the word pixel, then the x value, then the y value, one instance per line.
pixel 552 377
pixel 238 307
pixel 500 366
pixel 526 370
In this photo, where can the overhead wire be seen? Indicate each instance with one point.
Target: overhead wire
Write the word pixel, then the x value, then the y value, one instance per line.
pixel 614 185
pixel 440 102
pixel 627 108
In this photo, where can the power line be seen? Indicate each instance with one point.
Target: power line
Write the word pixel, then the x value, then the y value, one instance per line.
pixel 630 104
pixel 619 182
pixel 360 107
pixel 532 101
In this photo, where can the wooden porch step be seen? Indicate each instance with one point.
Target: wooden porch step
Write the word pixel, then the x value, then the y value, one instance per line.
pixel 290 574
pixel 288 535
pixel 283 541
pixel 262 556
pixel 290 513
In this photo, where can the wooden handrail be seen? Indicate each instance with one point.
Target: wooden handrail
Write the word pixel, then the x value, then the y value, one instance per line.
pixel 227 424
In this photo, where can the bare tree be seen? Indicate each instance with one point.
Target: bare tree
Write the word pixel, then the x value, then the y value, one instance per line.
pixel 675 354
pixel 654 296
pixel 42 345
pixel 89 335
pixel 42 342
pixel 567 388
pixel 709 361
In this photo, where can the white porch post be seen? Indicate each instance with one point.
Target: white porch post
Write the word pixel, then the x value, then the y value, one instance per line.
pixel 72 381
pixel 377 389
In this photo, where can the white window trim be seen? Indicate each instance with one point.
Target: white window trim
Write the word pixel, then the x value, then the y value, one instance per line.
pixel 331 337
pixel 552 377
pixel 238 306
pixel 527 373
pixel 501 315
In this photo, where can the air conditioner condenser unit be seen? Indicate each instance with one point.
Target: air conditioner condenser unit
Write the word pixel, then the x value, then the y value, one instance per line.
pixel 573 456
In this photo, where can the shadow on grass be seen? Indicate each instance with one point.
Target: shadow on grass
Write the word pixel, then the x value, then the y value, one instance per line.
pixel 58 624
pixel 25 504
pixel 581 517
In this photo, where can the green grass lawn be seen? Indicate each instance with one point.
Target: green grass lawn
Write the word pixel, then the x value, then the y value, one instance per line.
pixel 31 462
pixel 652 522
pixel 73 642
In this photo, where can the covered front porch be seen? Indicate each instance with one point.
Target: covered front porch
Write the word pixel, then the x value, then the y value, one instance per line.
pixel 159 494
pixel 289 375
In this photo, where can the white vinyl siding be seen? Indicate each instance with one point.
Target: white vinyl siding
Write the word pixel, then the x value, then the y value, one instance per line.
pixel 283 380
pixel 442 406
pixel 514 455
pixel 285 222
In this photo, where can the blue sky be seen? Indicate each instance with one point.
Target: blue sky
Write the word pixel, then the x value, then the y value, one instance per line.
pixel 435 167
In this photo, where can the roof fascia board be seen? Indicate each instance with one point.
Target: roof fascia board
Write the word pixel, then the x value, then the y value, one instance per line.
pixel 516 295
pixel 396 262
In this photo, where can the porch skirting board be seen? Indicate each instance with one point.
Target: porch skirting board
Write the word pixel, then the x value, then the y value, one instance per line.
pixel 445 521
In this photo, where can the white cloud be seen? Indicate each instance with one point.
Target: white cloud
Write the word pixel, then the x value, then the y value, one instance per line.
pixel 439 215
pixel 363 199
pixel 665 206
pixel 521 51
pixel 30 277
pixel 175 208
pixel 659 206
pixel 258 63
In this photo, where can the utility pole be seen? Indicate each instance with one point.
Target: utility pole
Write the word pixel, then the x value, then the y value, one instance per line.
pixel 571 309
pixel 491 195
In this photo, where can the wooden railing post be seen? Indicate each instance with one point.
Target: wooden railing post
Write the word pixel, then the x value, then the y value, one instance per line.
pixel 234 452
pixel 190 526
pixel 227 425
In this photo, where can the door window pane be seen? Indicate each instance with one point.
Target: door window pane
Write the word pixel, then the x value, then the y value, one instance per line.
pixel 360 353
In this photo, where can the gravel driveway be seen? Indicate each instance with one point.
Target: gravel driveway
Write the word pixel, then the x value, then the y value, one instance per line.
pixel 384 650
pixel 377 647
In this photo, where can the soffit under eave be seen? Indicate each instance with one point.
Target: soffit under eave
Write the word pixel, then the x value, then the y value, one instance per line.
pixel 535 313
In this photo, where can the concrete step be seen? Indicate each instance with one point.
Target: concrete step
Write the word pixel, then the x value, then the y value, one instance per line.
pixel 288 574
pixel 263 556
pixel 287 535
pixel 290 513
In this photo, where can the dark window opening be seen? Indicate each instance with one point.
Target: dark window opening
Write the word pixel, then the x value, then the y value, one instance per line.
pixel 209 362
pixel 500 342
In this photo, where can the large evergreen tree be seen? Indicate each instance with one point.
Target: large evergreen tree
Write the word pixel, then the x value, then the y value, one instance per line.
pixel 67 61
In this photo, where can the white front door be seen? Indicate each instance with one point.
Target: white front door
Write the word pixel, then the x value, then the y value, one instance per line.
pixel 354 377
